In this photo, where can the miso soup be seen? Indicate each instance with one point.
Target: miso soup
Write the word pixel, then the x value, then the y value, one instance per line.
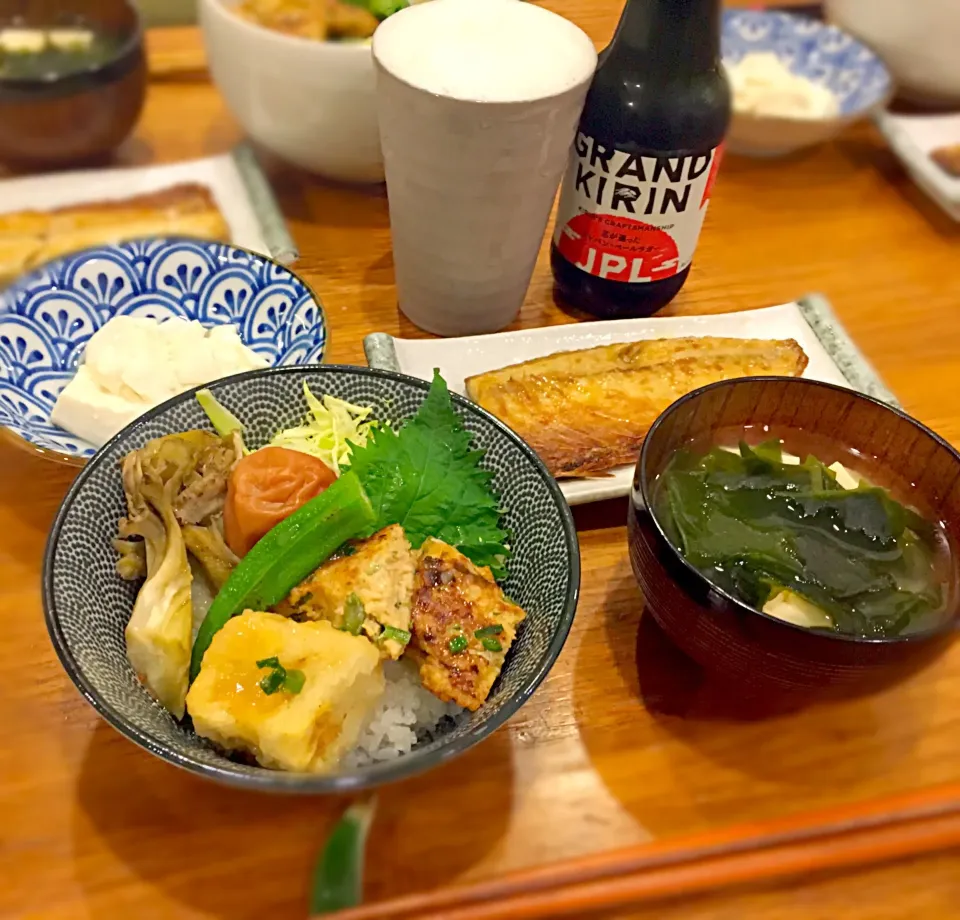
pixel 807 533
pixel 46 54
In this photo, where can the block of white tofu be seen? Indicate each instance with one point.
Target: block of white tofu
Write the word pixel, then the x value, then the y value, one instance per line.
pixel 307 731
pixel 793 608
pixel 133 363
pixel 845 478
pixel 86 410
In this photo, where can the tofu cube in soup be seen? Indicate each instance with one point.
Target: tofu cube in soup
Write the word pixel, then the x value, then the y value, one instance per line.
pixel 304 723
pixel 463 625
pixel 367 592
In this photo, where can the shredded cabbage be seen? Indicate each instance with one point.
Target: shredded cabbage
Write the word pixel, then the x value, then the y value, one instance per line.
pixel 332 428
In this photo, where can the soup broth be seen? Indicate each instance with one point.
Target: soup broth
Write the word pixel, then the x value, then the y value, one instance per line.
pixel 807 532
pixel 45 54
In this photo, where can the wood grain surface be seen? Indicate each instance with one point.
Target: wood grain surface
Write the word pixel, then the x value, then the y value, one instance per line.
pixel 927 888
pixel 862 835
pixel 625 741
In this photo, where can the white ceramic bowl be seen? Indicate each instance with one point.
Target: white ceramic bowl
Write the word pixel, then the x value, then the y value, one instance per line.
pixel 311 103
pixel 819 52
pixel 919 40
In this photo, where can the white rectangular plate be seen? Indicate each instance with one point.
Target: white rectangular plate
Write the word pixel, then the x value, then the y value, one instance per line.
pixel 235 180
pixel 913 138
pixel 832 356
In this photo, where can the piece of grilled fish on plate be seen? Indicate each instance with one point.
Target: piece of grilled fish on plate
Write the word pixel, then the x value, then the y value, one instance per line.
pixel 30 238
pixel 585 412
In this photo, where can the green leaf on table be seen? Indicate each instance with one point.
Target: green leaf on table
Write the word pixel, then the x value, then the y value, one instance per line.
pixel 338 875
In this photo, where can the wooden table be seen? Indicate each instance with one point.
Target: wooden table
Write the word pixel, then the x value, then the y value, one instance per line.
pixel 606 753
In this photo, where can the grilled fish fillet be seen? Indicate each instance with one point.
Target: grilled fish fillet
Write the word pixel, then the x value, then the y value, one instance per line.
pixel 585 412
pixel 30 238
pixel 453 599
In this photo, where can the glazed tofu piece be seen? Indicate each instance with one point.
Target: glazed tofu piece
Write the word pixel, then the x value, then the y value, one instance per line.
pixel 305 723
pixel 369 591
pixel 463 625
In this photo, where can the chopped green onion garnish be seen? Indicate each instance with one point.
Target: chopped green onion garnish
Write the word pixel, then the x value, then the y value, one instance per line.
pixel 458 644
pixel 489 631
pixel 353 614
pixel 294 681
pixel 491 644
pixel 273 681
pixel 398 635
pixel 280 678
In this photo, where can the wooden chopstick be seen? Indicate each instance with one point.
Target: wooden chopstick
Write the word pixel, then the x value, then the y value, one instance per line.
pixel 866 847
pixel 867 833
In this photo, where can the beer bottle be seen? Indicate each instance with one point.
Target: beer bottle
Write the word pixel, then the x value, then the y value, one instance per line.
pixel 644 161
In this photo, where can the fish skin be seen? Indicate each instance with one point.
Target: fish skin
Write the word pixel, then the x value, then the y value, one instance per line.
pixel 586 412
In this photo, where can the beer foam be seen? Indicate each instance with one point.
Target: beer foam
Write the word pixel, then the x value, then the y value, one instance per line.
pixel 484 50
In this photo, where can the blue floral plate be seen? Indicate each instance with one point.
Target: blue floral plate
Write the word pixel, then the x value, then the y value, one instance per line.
pixel 809 48
pixel 47 317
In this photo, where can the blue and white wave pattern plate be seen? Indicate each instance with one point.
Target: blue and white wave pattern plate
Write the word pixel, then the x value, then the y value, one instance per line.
pixel 47 318
pixel 822 53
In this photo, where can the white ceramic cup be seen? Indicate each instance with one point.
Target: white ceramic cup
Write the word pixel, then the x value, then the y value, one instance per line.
pixel 471 182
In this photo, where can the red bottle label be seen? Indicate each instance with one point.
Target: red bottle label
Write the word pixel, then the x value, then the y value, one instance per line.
pixel 632 218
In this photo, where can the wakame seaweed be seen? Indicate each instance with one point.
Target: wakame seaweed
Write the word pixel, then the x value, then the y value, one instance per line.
pixel 755 525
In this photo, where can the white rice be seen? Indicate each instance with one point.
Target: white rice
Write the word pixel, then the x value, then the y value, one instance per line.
pixel 405 710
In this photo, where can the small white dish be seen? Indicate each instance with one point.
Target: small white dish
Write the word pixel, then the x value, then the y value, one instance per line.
pixel 810 322
pixel 913 138
pixel 235 180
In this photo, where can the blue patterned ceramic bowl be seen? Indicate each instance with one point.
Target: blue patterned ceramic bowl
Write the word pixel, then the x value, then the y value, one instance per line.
pixel 48 316
pixel 87 604
pixel 822 53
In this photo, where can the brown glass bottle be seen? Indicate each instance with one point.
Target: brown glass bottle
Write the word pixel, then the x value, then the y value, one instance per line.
pixel 644 161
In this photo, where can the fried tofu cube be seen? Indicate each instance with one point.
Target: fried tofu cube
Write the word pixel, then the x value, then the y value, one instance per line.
pixel 305 731
pixel 463 625
pixel 375 583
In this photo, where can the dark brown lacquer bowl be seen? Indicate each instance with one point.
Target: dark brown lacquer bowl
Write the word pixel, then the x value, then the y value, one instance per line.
pixel 725 636
pixel 80 117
